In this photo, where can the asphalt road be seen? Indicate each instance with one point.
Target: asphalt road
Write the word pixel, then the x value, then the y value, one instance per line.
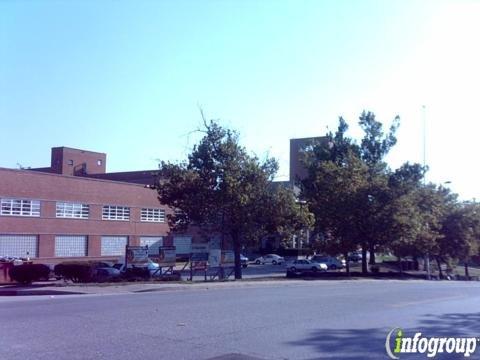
pixel 298 320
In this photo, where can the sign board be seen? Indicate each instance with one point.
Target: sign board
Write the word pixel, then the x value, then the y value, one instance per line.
pixel 167 256
pixel 199 252
pixel 214 257
pixel 228 258
pixel 215 242
pixel 136 255
pixel 199 265
pixel 183 244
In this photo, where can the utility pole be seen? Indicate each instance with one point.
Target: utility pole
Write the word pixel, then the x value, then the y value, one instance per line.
pixel 424 116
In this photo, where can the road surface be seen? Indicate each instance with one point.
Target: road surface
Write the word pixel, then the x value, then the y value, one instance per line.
pixel 298 320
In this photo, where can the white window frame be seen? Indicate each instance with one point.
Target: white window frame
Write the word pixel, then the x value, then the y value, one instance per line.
pixel 116 213
pixel 152 215
pixel 72 210
pixel 19 207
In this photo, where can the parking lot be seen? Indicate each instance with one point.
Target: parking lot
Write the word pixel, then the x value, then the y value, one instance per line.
pixel 250 272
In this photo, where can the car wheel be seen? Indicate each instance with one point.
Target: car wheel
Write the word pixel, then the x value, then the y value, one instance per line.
pixel 293 269
pixel 244 266
pixel 274 262
pixel 333 267
pixel 257 262
pixel 314 269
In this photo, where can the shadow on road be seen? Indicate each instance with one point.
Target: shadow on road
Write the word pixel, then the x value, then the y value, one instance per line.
pixel 370 343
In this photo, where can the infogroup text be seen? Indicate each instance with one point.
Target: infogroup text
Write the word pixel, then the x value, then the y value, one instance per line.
pixel 397 343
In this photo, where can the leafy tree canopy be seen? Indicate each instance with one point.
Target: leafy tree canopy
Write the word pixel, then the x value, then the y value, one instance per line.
pixel 224 190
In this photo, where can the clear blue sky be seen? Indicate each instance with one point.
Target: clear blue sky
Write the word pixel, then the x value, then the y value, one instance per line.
pixel 127 77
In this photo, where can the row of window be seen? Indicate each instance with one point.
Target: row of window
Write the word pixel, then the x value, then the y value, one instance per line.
pixel 74 245
pixel 21 207
pixel 77 245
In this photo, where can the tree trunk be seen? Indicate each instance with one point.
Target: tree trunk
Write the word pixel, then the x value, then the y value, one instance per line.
pixel 364 259
pixel 439 264
pixel 467 275
pixel 347 264
pixel 237 249
pixel 371 250
pixel 400 268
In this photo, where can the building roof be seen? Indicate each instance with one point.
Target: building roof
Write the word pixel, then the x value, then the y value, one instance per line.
pixel 73 177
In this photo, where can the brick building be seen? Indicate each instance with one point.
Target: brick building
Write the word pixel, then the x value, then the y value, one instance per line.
pixel 65 211
pixel 74 208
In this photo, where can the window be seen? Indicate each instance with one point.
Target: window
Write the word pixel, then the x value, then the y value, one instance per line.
pixel 72 210
pixel 113 245
pixel 153 215
pixel 115 213
pixel 99 162
pixel 70 245
pixel 18 207
pixel 154 244
pixel 70 162
pixel 19 245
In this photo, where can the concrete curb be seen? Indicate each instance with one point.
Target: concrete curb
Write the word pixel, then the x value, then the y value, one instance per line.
pixel 139 288
pixel 30 292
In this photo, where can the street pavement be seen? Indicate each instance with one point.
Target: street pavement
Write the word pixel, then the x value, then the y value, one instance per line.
pixel 342 319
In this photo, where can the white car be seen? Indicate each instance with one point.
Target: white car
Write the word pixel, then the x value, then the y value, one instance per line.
pixel 153 268
pixel 306 265
pixel 332 262
pixel 270 259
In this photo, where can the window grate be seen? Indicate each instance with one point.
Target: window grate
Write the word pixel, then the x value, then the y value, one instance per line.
pixel 154 243
pixel 19 245
pixel 113 245
pixel 70 245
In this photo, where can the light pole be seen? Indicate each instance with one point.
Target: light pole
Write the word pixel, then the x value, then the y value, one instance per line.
pixel 299 243
pixel 427 257
pixel 424 117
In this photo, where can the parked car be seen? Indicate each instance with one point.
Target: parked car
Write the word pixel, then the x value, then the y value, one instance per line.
pixel 244 260
pixel 333 263
pixel 104 274
pixel 355 256
pixel 153 268
pixel 273 259
pixel 306 265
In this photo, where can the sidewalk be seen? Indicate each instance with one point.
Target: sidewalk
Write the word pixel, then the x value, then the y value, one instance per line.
pixel 48 288
pixel 61 288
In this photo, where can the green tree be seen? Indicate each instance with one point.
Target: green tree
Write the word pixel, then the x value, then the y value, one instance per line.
pixel 354 179
pixel 335 176
pixel 419 212
pixel 374 146
pixel 405 215
pixel 223 190
pixel 461 230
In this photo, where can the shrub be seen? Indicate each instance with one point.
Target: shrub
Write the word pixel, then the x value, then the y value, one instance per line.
pixel 136 273
pixel 27 273
pixel 176 276
pixel 75 271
